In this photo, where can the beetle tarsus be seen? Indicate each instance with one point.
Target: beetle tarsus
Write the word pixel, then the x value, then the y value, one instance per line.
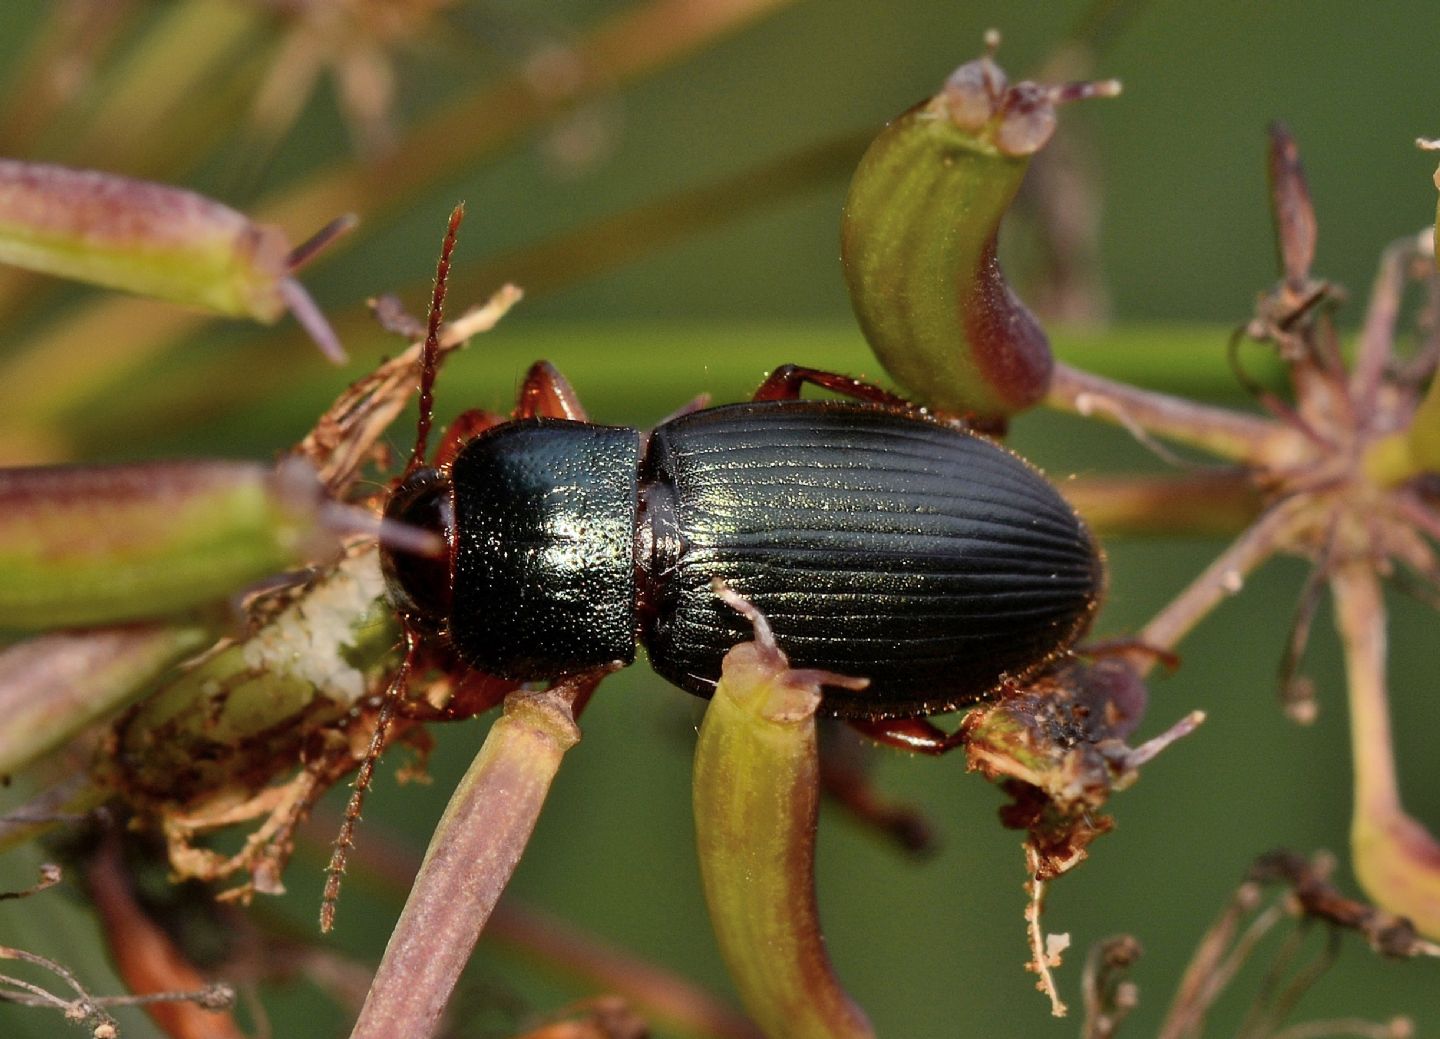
pixel 918 735
pixel 845 757
pixel 786 382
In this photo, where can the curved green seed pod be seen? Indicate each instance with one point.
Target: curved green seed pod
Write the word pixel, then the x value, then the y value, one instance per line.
pixel 756 796
pixel 918 241
pixel 155 240
pixel 85 545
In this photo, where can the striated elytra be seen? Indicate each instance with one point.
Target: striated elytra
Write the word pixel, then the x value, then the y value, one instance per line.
pixel 879 543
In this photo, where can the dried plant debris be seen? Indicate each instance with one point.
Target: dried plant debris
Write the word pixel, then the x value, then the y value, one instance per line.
pixel 1345 465
pixel 1057 748
pixel 68 995
pixel 1308 902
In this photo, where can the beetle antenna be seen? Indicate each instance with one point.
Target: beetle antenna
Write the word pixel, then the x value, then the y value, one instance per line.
pixel 345 839
pixel 430 358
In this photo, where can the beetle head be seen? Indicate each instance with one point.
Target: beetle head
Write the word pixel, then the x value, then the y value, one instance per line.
pixel 421 584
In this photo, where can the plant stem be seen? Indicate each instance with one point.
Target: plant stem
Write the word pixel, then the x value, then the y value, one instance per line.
pixel 1194 504
pixel 1220 431
pixel 472 854
pixel 1224 577
pixel 1397 861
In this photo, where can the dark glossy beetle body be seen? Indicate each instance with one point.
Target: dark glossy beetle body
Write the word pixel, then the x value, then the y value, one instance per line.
pixel 878 542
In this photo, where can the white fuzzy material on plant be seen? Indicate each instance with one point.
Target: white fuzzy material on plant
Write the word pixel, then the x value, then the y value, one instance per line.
pixel 308 641
pixel 1055 946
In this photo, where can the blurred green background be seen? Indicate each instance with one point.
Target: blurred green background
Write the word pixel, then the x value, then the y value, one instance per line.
pixel 932 949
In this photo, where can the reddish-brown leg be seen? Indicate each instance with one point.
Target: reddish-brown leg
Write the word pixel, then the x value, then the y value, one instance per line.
pixel 474 693
pixel 785 383
pixel 845 760
pixel 548 394
pixel 544 393
pixel 699 402
pixel 467 426
pixel 918 735
pixel 1130 648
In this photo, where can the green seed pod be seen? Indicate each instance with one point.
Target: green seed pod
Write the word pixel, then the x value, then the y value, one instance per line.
pixel 918 241
pixel 756 797
pixel 154 240
pixel 53 686
pixel 84 545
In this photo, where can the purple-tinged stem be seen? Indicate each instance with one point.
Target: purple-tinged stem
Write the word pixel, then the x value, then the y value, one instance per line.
pixel 1295 230
pixel 1224 577
pixel 1377 336
pixel 655 991
pixel 667 999
pixel 1220 431
pixel 1396 860
pixel 1200 503
pixel 472 854
pixel 1214 963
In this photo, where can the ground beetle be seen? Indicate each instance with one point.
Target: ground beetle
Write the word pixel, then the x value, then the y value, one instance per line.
pixel 877 539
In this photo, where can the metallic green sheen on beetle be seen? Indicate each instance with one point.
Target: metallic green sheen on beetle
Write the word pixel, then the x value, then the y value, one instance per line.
pixel 878 541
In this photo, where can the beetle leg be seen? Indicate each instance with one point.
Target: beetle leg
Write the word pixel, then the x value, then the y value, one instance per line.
pixel 785 383
pixel 845 759
pixel 699 402
pixel 545 392
pixel 467 426
pixel 472 693
pixel 918 735
pixel 1131 647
